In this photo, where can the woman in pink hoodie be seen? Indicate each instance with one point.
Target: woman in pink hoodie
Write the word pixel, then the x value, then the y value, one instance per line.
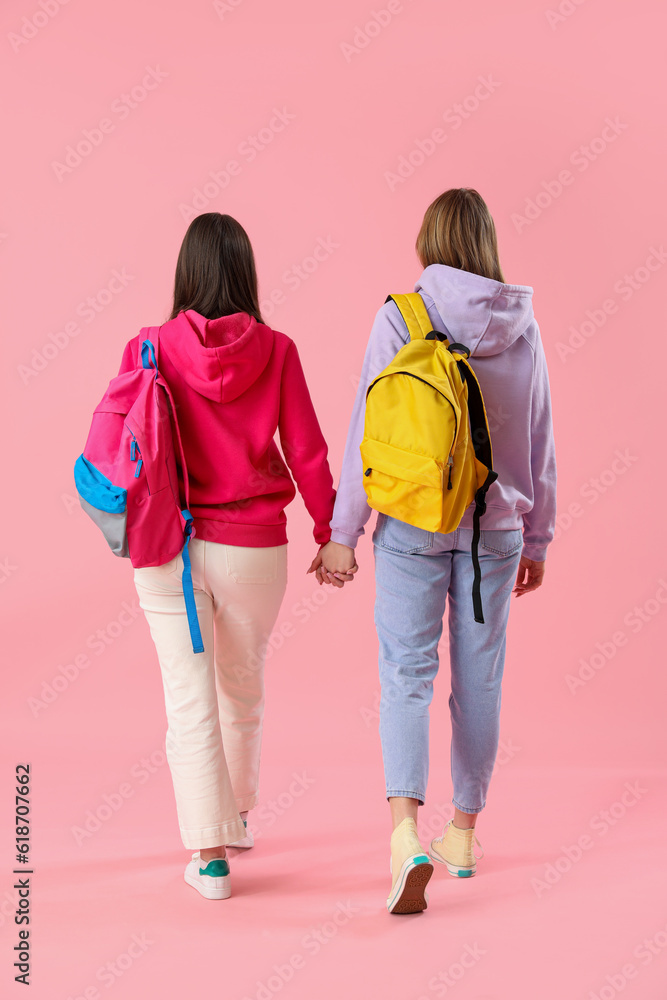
pixel 235 382
pixel 418 573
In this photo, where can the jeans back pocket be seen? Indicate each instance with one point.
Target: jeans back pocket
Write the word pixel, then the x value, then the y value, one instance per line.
pixel 399 536
pixel 502 541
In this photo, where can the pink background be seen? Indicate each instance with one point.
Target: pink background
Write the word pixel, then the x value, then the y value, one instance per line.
pixel 568 753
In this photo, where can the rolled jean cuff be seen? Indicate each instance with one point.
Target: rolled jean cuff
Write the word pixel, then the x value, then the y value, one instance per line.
pixel 466 809
pixel 213 836
pixel 403 794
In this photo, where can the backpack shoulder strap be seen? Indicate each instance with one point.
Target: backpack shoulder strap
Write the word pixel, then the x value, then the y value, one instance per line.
pixel 151 338
pixel 481 436
pixel 413 311
pixel 149 359
pixel 481 439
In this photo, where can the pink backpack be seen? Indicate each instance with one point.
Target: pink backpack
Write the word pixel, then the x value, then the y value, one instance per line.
pixel 127 477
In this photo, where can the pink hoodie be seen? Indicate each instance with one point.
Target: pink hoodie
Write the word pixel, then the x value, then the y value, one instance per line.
pixel 235 383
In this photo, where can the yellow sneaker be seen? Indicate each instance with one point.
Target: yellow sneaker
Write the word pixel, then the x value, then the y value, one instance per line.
pixel 455 849
pixel 410 868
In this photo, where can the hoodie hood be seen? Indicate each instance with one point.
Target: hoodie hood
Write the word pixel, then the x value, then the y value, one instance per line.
pixel 219 358
pixel 485 315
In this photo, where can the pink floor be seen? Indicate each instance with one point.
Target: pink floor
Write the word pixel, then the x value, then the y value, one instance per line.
pixel 570 902
pixel 542 919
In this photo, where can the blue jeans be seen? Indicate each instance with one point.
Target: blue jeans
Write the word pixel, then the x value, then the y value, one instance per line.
pixel 415 572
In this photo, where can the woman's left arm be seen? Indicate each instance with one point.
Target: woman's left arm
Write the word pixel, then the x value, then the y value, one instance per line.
pixel 539 523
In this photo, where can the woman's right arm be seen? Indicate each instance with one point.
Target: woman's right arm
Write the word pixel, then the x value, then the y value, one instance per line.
pixel 351 510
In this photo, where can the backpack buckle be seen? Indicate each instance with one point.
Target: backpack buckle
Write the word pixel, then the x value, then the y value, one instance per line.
pixel 187 517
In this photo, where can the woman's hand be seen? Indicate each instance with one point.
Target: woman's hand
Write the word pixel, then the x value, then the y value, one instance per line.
pixel 529 577
pixel 334 563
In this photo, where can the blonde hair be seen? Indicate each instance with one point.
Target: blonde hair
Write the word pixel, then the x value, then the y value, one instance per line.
pixel 458 230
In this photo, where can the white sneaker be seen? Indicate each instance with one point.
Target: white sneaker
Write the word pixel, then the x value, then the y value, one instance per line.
pixel 245 842
pixel 212 880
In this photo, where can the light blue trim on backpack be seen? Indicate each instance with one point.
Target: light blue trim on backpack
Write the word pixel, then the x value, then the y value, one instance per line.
pixel 148 359
pixel 99 491
pixel 188 591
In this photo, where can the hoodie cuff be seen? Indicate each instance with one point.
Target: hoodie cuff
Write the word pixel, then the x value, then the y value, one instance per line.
pixel 344 539
pixel 538 553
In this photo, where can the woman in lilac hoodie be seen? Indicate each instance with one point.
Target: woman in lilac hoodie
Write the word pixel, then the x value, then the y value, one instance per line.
pixel 417 571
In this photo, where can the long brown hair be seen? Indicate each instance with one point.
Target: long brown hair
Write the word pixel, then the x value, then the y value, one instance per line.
pixel 458 230
pixel 215 271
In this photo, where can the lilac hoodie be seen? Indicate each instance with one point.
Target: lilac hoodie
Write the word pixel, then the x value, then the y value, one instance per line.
pixel 496 322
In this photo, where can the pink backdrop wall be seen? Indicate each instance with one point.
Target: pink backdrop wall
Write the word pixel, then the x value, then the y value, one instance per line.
pixel 362 114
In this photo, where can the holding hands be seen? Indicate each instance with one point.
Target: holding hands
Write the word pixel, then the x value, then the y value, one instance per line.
pixel 335 564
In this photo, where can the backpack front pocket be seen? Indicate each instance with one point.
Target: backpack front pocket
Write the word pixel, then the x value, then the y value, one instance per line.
pixel 104 503
pixel 403 484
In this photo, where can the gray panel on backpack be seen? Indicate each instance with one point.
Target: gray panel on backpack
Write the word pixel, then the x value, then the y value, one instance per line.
pixel 112 526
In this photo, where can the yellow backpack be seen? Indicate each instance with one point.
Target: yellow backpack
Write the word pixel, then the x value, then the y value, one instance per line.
pixel 426 449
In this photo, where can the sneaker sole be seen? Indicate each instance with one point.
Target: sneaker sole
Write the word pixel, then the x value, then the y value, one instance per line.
pixel 454 870
pixel 208 892
pixel 242 845
pixel 409 895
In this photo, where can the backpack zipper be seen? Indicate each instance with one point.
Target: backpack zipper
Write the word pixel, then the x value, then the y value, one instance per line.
pixel 450 460
pixel 134 452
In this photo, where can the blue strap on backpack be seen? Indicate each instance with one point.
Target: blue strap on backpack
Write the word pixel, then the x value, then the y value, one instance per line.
pixel 149 360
